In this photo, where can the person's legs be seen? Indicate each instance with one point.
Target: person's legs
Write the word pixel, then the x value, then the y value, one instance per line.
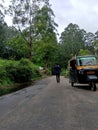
pixel 58 78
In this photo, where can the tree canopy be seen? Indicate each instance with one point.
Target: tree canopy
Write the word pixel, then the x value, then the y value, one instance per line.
pixel 33 35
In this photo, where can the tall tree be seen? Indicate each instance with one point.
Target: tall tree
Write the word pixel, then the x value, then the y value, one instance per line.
pixel 46 39
pixel 72 38
pixel 23 13
pixel 71 41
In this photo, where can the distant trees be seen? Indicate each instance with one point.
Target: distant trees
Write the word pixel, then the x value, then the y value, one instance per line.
pixel 34 35
pixel 71 41
pixel 84 52
pixel 76 41
pixel 72 38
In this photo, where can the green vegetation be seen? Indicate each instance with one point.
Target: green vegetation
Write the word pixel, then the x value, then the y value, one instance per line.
pixel 32 42
pixel 16 72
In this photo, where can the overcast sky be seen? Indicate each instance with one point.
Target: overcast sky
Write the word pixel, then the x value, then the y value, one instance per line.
pixel 84 13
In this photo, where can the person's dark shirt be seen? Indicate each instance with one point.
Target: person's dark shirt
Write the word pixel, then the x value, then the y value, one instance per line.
pixel 57 69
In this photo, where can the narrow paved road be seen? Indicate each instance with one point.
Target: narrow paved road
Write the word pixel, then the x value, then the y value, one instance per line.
pixel 47 105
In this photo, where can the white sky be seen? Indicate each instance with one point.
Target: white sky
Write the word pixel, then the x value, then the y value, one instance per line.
pixel 84 13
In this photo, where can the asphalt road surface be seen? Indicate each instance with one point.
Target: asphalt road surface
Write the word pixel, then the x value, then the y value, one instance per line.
pixel 47 105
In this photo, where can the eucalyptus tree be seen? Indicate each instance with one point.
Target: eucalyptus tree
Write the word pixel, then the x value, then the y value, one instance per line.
pixel 45 26
pixel 23 13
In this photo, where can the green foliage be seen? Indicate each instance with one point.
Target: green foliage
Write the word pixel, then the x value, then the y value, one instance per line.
pixel 35 69
pixel 18 72
pixel 48 71
pixel 15 75
pixel 23 72
pixel 66 73
pixel 10 70
pixel 4 78
pixel 71 41
pixel 17 48
pixel 27 21
pixel 2 38
pixel 33 35
pixel 6 33
pixel 2 74
pixel 25 62
pixel 84 52
pixel 45 45
pixel 35 72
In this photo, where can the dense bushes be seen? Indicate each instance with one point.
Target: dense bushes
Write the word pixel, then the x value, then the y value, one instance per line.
pixel 20 72
pixel 3 76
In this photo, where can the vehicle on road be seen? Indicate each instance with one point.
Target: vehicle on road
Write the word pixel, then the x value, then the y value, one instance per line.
pixel 84 70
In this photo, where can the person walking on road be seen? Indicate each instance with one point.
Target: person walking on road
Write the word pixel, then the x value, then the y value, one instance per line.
pixel 57 70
